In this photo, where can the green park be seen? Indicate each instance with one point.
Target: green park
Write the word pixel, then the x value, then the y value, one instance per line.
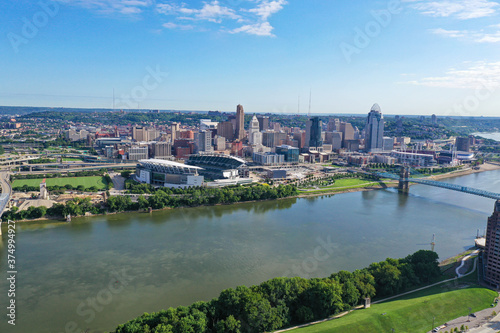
pixel 87 182
pixel 417 312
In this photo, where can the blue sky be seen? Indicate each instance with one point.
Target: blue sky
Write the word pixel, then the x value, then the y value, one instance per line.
pixel 411 57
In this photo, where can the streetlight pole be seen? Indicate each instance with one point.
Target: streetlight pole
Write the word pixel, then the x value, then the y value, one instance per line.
pixel 433 318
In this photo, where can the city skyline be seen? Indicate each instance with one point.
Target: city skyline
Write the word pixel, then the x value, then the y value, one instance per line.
pixel 216 54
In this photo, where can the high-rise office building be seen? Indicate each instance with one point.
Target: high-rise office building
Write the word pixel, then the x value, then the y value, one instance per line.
pixel 142 134
pixel 334 139
pixel 225 129
pixel 333 125
pixel 348 133
pixel 492 249
pixel 138 153
pixel 374 130
pixel 162 149
pixel 203 141
pixel 174 129
pixel 300 137
pixel 139 133
pixel 271 139
pixel 291 154
pixel 313 133
pixel 434 119
pixel 463 144
pixel 263 123
pixel 388 144
pixel 254 135
pixel 240 122
pixel 220 143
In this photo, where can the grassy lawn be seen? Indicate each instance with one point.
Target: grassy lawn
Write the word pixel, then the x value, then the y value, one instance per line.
pixel 341 184
pixel 97 181
pixel 71 159
pixel 411 313
pixel 349 182
pixel 346 182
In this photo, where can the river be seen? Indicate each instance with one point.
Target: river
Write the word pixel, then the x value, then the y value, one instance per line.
pixel 95 273
pixel 492 136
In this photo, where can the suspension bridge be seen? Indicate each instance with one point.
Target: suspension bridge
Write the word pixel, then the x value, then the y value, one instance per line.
pixel 405 179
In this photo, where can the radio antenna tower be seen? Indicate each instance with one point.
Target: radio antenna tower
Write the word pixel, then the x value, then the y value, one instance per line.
pixel 298 107
pixel 310 95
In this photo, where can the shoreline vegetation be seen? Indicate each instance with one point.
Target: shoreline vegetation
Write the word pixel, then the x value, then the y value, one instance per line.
pixel 119 204
pixel 284 302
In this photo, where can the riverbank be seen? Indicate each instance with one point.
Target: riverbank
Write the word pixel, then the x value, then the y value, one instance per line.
pixel 392 184
pixel 482 168
pixel 417 303
pixel 369 186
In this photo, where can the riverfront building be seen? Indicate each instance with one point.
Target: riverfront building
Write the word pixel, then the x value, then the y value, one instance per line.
pixel 291 154
pixel 268 158
pixel 491 258
pixel 168 174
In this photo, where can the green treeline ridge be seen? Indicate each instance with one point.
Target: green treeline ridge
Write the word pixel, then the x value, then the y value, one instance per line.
pixel 162 198
pixel 283 302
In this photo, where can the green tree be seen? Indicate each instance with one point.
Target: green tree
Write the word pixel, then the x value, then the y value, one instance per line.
pixel 228 325
pixel 386 276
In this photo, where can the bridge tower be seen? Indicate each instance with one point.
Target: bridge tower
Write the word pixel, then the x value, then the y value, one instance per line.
pixel 404 184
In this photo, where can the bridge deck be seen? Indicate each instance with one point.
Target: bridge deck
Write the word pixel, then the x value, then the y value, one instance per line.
pixel 453 187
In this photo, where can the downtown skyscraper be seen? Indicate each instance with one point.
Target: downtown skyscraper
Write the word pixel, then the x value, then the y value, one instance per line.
pixel 374 130
pixel 240 122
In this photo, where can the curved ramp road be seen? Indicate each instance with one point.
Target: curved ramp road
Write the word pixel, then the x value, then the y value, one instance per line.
pixel 464 260
pixel 6 191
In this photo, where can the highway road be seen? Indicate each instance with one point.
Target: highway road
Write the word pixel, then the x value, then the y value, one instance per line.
pixel 94 167
pixel 6 191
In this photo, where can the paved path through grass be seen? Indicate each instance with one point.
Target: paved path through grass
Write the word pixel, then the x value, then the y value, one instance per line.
pixel 381 301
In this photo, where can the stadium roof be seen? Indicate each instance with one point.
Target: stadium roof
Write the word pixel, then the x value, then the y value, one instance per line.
pixel 223 161
pixel 169 166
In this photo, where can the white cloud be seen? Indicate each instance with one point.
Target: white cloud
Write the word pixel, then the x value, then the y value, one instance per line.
pixel 267 8
pixel 474 36
pixel 126 7
pixel 490 38
pixel 171 25
pixel 461 9
pixel 253 14
pixel 449 33
pixel 476 75
pixel 258 29
pixel 233 16
pixel 212 12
